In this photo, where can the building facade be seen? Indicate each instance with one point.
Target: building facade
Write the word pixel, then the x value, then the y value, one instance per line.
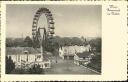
pixel 68 52
pixel 83 58
pixel 27 59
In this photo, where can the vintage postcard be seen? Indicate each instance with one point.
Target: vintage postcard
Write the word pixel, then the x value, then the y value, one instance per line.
pixel 72 41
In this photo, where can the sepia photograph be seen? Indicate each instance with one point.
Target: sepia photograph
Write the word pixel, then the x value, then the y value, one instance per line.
pixel 63 41
pixel 53 39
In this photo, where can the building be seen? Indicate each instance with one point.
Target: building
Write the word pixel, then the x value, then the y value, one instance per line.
pixel 27 57
pixel 68 52
pixel 83 58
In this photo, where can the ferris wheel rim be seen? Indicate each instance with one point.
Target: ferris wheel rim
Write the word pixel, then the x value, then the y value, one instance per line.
pixel 50 22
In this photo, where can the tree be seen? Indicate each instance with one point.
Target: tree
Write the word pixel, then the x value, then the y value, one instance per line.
pixel 14 42
pixel 77 41
pixel 36 70
pixel 10 65
pixel 28 42
pixel 96 43
pixel 95 63
pixel 9 42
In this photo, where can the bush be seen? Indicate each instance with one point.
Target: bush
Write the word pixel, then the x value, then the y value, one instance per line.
pixel 19 71
pixel 36 70
pixel 95 63
pixel 10 65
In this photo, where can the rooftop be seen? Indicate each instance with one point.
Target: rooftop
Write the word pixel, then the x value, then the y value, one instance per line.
pixel 21 50
pixel 69 54
pixel 84 54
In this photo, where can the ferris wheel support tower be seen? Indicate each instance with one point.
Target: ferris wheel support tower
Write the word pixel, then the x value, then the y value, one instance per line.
pixel 48 32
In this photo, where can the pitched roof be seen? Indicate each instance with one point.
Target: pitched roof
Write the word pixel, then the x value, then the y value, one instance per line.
pixel 21 50
pixel 84 54
pixel 68 54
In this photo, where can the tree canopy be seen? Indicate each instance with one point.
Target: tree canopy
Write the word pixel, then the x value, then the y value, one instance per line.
pixel 55 42
pixel 28 42
pixel 10 65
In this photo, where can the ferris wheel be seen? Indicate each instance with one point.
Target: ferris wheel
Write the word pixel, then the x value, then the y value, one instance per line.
pixel 41 38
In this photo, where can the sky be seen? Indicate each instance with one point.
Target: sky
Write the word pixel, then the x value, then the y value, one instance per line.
pixel 70 20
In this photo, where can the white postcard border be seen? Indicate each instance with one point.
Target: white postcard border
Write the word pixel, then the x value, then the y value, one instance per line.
pixel 114 29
